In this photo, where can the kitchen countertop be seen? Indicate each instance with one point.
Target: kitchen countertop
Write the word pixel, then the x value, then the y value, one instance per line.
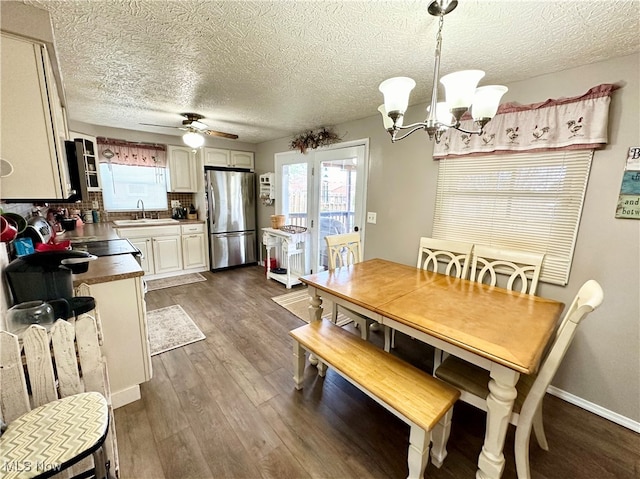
pixel 89 232
pixel 106 231
pixel 109 268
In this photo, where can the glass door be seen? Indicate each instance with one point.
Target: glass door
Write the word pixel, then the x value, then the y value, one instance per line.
pixel 323 191
pixel 340 200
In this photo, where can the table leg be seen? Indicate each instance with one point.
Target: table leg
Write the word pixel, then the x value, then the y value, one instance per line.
pixel 315 314
pixel 298 364
pixel 502 394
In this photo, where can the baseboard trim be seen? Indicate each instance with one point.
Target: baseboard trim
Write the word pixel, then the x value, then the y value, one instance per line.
pixel 595 409
pixel 125 396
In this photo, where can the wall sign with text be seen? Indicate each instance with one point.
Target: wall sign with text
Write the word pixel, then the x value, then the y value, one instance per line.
pixel 629 199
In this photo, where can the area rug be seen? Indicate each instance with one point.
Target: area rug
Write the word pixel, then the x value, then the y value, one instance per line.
pixel 297 303
pixel 162 283
pixel 171 328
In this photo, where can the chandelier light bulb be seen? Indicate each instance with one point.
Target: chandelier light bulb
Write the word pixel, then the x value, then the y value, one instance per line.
pixel 396 93
pixel 486 101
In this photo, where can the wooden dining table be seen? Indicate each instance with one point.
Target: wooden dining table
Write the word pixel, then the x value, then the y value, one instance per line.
pixel 502 331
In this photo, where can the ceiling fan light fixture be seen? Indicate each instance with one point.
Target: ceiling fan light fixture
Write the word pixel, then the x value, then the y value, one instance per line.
pixel 193 139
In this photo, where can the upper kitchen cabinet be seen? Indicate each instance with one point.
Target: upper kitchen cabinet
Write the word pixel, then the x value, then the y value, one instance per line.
pixel 182 169
pixel 33 128
pixel 228 158
pixel 90 158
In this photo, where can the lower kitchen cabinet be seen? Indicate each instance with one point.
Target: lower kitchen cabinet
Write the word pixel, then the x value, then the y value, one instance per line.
pixel 146 253
pixel 122 310
pixel 194 246
pixel 167 254
pixel 194 253
pixel 169 250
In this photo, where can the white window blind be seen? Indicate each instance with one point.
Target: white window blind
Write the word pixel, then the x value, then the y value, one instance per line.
pixel 529 201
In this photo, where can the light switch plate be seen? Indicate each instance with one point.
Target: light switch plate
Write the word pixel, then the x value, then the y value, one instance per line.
pixel 371 217
pixel 175 203
pixel 95 205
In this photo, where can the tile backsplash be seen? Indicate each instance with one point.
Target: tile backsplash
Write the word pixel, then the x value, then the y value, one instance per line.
pixel 25 209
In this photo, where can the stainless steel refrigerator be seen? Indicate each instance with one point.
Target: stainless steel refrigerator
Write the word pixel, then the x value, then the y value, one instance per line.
pixel 231 198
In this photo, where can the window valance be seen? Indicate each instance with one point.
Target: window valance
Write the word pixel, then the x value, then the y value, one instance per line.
pixel 120 152
pixel 566 123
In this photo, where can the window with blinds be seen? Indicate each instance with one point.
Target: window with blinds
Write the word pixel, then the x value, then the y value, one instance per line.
pixel 529 201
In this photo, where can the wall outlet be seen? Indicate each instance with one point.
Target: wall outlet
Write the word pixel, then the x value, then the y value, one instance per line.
pixel 371 217
pixel 175 203
pixel 95 205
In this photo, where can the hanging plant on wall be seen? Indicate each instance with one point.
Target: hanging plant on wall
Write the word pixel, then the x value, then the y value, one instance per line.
pixel 313 139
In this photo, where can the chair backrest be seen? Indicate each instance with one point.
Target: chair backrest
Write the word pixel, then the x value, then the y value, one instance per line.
pixel 444 256
pixel 520 268
pixel 589 297
pixel 343 250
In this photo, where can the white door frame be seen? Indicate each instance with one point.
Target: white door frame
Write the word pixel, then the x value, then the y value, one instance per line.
pixel 291 157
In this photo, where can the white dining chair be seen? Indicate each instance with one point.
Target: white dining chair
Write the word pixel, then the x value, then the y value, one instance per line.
pixel 443 256
pixel 473 381
pixel 345 250
pixel 512 269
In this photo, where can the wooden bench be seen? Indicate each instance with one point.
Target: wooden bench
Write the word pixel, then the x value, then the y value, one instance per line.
pixel 422 401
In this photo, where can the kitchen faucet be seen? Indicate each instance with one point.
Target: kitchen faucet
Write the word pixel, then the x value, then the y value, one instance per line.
pixel 140 202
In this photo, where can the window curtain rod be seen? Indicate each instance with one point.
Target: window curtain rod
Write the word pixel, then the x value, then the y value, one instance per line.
pixel 137 144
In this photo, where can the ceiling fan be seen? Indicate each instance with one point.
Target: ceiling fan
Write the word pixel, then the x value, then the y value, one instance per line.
pixel 192 124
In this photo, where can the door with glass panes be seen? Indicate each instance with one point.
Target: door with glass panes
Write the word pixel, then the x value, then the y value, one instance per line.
pixel 324 191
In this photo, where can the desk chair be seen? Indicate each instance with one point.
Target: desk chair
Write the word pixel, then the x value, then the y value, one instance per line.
pixel 473 382
pixel 345 250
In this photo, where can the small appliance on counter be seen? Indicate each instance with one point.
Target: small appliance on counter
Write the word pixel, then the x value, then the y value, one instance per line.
pixel 47 276
pixel 179 213
pixel 39 230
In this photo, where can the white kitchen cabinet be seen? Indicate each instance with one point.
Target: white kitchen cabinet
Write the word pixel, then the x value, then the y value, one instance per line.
pixel 146 253
pixel 242 159
pixel 126 339
pixel 167 254
pixel 169 250
pixel 194 246
pixel 229 158
pixel 182 169
pixel 90 156
pixel 33 127
pixel 217 157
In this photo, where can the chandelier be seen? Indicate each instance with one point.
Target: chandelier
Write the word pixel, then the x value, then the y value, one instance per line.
pixel 193 139
pixel 460 89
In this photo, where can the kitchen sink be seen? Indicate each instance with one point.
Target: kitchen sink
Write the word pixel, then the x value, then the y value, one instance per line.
pixel 145 222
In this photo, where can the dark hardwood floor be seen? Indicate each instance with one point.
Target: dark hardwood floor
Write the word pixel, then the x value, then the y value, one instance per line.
pixel 226 407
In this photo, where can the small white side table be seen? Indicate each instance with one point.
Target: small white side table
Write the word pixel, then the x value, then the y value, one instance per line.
pixel 290 252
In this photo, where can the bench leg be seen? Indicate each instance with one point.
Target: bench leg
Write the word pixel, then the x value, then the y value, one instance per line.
pixel 418 455
pixel 440 436
pixel 299 356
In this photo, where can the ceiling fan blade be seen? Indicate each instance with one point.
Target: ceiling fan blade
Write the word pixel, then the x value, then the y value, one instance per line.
pixel 221 134
pixel 161 126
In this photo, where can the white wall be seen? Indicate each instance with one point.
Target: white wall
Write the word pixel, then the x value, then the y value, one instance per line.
pixel 603 365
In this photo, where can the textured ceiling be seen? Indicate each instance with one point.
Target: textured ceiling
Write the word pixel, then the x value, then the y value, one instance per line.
pixel 270 69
